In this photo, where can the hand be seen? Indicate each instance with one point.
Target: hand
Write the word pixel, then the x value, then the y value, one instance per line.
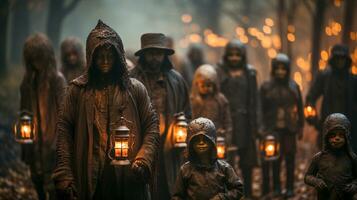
pixel 350 188
pixel 321 185
pixel 141 170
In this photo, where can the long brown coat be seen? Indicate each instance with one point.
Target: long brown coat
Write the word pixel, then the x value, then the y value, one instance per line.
pixel 76 121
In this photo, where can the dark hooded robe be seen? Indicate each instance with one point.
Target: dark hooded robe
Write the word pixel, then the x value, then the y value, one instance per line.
pixel 338 87
pixel 170 96
pixel 215 107
pixel 41 93
pixel 282 113
pixel 82 144
pixel 336 168
pixel 196 180
pixel 72 45
pixel 241 92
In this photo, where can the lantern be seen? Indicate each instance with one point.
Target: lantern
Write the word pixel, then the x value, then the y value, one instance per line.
pixel 119 145
pixel 309 112
pixel 221 148
pixel 270 148
pixel 180 131
pixel 24 129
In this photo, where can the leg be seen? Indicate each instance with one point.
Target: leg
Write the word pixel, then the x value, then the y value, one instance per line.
pixel 276 176
pixel 266 178
pixel 290 168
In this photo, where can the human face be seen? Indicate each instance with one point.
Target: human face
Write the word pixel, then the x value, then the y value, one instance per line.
pixel 234 57
pixel 201 145
pixel 154 58
pixel 337 139
pixel 71 57
pixel 105 58
pixel 205 87
pixel 280 71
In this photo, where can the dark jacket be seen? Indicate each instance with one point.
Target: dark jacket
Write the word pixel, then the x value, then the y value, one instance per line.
pixel 76 121
pixel 335 168
pixel 41 94
pixel 177 100
pixel 196 181
pixel 284 94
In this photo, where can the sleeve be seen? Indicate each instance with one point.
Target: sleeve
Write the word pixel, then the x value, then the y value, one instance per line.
pixel 300 108
pixel 149 127
pixel 65 133
pixel 310 176
pixel 227 122
pixel 316 90
pixel 234 185
pixel 179 192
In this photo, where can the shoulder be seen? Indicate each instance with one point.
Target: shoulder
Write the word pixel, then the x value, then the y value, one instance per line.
pixel 137 86
pixel 80 81
pixel 317 156
pixel 175 74
pixel 186 169
pixel 224 165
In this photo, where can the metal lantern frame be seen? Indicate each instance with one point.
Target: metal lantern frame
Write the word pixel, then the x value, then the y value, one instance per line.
pixel 270 141
pixel 310 112
pixel 120 145
pixel 24 128
pixel 180 127
pixel 221 148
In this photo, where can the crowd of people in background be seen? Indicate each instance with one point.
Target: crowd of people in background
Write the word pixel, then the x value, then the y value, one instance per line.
pixel 77 106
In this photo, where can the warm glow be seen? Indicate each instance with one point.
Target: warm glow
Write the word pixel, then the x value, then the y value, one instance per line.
pixel 298 79
pixel 240 31
pixel 272 53
pixel 186 18
pixel 337 3
pixel 181 135
pixel 214 40
pixel 324 55
pixel 328 31
pixel 195 38
pixel 121 149
pixel 309 111
pixel 25 131
pixel 266 42
pixel 253 31
pixel 291 28
pixel 267 29
pixel 269 22
pixel 270 150
pixel 291 37
pixel 354 70
pixel 322 65
pixel 276 41
pixel 221 151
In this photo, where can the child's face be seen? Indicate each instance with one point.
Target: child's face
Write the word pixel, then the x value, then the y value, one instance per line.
pixel 337 139
pixel 205 87
pixel 280 71
pixel 201 145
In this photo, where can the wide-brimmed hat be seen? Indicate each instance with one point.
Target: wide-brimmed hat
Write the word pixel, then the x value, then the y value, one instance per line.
pixel 154 41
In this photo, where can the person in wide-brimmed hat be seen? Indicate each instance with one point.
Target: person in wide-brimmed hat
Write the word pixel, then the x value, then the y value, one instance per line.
pixel 169 94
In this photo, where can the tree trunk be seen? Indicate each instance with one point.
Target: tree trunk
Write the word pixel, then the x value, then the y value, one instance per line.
pixel 208 14
pixel 281 12
pixel 317 28
pixel 20 29
pixel 4 15
pixel 348 21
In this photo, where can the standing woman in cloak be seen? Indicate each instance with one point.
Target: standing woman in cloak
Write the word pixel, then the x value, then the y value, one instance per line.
pixel 42 89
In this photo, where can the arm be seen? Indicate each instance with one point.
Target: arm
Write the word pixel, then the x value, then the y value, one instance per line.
pixel 300 113
pixel 149 126
pixel 63 173
pixel 233 184
pixel 310 176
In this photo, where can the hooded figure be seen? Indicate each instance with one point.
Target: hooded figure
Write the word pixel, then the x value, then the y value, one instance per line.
pixel 282 112
pixel 338 87
pixel 72 58
pixel 169 94
pixel 96 104
pixel 205 93
pixel 195 58
pixel 333 171
pixel 211 179
pixel 41 90
pixel 238 83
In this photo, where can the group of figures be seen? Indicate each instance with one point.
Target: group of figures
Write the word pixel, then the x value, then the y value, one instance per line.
pixel 75 120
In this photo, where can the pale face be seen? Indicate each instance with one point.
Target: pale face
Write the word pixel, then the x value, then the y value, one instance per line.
pixel 337 139
pixel 234 57
pixel 205 87
pixel 105 58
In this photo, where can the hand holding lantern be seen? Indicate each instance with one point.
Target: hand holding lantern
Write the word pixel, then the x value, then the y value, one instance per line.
pixel 270 148
pixel 310 114
pixel 119 145
pixel 180 130
pixel 24 129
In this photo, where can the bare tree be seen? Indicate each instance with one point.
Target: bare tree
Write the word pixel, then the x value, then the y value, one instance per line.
pixel 57 12
pixel 4 15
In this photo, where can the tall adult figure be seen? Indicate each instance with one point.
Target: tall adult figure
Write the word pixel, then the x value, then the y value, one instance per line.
pixel 338 87
pixel 72 58
pixel 96 104
pixel 169 94
pixel 238 83
pixel 42 90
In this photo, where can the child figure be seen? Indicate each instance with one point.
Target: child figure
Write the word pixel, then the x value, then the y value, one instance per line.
pixel 333 171
pixel 207 101
pixel 204 177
